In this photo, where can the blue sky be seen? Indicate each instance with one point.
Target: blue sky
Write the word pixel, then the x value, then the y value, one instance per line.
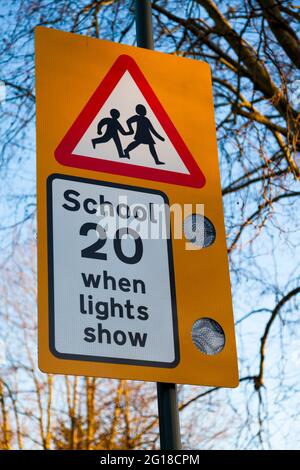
pixel 274 254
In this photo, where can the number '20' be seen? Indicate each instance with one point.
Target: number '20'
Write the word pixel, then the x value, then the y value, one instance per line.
pixel 93 251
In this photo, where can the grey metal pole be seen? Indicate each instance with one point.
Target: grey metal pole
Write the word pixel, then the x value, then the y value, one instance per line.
pixel 143 22
pixel 169 426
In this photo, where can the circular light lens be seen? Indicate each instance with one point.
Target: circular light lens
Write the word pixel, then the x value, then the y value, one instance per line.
pixel 199 230
pixel 208 336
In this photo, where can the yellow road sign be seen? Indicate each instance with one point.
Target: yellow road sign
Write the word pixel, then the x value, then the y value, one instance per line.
pixel 126 146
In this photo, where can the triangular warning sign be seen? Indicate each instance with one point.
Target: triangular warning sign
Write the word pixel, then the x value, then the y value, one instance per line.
pixel 123 129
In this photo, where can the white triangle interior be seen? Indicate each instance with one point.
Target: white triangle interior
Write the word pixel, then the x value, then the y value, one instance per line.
pixel 125 97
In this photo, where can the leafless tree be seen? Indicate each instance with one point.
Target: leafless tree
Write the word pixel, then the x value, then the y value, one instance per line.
pixel 253 49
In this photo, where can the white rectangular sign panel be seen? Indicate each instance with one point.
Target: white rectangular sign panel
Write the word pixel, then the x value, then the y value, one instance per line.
pixel 111 279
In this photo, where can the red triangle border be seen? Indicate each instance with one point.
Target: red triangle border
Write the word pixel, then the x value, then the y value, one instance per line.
pixel 63 152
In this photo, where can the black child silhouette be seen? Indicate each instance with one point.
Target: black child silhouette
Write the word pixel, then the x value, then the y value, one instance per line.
pixel 143 133
pixel 113 127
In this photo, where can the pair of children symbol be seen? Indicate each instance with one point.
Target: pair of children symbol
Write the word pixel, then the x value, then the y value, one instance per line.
pixel 143 134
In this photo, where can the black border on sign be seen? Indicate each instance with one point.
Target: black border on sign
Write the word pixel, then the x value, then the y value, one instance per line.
pixel 51 294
